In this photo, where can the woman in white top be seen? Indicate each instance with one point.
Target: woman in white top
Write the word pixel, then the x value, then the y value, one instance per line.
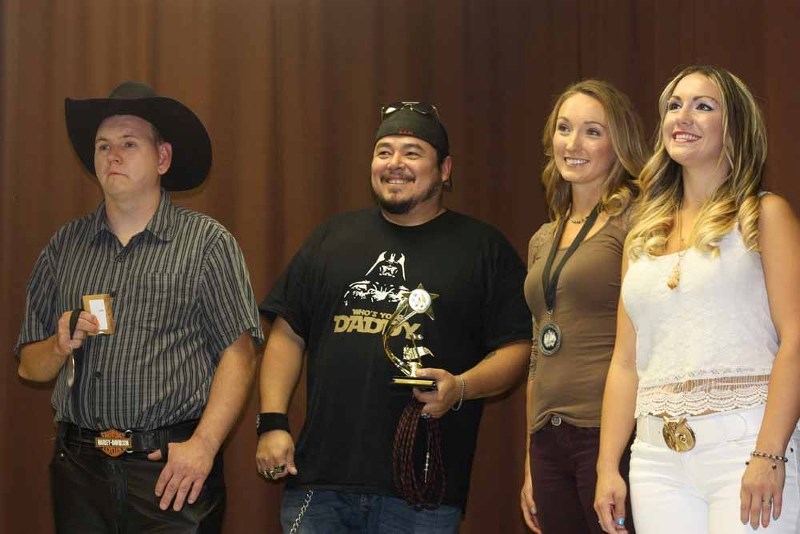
pixel 707 354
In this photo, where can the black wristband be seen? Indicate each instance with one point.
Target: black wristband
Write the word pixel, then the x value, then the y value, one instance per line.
pixel 266 421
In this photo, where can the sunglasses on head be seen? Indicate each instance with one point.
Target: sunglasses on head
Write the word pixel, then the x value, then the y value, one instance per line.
pixel 422 108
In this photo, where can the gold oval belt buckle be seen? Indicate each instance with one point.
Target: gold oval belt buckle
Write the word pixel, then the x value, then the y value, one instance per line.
pixel 678 435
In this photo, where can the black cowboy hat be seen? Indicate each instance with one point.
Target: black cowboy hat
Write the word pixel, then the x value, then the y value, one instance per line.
pixel 177 124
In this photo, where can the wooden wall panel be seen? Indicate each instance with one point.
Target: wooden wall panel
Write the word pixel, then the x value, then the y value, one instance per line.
pixel 290 91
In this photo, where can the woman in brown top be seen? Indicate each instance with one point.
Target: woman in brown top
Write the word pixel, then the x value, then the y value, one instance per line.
pixel 595 148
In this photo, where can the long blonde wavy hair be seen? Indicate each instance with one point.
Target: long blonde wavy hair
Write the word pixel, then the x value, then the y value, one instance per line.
pixel 744 149
pixel 625 130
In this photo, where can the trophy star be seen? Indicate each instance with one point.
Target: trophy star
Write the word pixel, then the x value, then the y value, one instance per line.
pixel 412 303
pixel 415 302
pixel 424 300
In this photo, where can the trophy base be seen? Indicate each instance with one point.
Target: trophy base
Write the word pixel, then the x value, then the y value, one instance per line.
pixel 414 382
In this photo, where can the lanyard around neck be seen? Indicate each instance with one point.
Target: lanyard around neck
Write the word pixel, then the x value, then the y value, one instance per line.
pixel 549 284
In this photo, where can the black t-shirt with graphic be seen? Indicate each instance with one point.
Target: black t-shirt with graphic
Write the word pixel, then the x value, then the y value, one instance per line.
pixel 337 294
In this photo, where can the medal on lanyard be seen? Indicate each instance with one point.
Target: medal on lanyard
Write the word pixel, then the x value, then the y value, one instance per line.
pixel 100 307
pixel 73 323
pixel 550 334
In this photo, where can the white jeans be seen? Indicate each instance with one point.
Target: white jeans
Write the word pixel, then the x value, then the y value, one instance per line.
pixel 697 492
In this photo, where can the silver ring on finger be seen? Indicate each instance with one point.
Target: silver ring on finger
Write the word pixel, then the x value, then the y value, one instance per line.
pixel 273 473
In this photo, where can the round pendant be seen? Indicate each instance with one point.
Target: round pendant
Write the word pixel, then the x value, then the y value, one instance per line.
pixel 549 339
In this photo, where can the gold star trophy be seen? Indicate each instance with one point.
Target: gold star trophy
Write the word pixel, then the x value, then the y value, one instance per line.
pixel 412 303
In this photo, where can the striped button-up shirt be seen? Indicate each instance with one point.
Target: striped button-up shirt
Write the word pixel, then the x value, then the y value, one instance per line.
pixel 180 295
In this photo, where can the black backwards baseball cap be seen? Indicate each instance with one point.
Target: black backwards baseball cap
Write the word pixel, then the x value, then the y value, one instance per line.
pixel 415 119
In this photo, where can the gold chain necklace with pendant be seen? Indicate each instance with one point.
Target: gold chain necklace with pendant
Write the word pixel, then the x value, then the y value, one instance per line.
pixel 675 278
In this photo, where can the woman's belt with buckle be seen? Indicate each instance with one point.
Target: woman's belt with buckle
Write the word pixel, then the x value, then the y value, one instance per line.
pixel 678 435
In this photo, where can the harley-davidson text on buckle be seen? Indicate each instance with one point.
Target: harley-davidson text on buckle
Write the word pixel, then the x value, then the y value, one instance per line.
pixel 113 442
pixel 678 435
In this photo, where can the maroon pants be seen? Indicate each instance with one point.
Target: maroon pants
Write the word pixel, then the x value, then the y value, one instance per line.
pixel 563 460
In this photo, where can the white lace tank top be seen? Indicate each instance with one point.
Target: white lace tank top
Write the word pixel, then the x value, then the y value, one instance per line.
pixel 709 344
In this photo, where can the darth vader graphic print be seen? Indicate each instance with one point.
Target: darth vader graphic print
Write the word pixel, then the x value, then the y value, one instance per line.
pixel 384 281
pixel 368 303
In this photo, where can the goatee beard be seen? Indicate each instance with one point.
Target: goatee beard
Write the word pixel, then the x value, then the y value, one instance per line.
pixel 395 208
pixel 405 206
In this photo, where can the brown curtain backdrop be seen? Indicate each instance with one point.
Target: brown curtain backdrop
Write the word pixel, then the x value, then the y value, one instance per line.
pixel 290 92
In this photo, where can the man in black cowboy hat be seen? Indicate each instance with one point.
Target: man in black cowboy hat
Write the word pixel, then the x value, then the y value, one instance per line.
pixel 337 303
pixel 143 314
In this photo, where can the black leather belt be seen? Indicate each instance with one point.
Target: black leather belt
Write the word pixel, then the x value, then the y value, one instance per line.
pixel 116 442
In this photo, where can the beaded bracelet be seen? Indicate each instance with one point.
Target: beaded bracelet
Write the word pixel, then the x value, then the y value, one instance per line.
pixel 774 457
pixel 461 400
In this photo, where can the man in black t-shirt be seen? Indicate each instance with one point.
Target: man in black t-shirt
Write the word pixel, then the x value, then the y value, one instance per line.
pixel 333 303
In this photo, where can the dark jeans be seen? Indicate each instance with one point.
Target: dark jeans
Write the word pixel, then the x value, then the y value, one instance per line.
pixel 563 462
pixel 95 493
pixel 334 512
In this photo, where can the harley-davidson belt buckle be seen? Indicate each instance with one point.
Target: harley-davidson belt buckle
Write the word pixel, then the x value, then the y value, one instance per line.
pixel 114 442
pixel 678 435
